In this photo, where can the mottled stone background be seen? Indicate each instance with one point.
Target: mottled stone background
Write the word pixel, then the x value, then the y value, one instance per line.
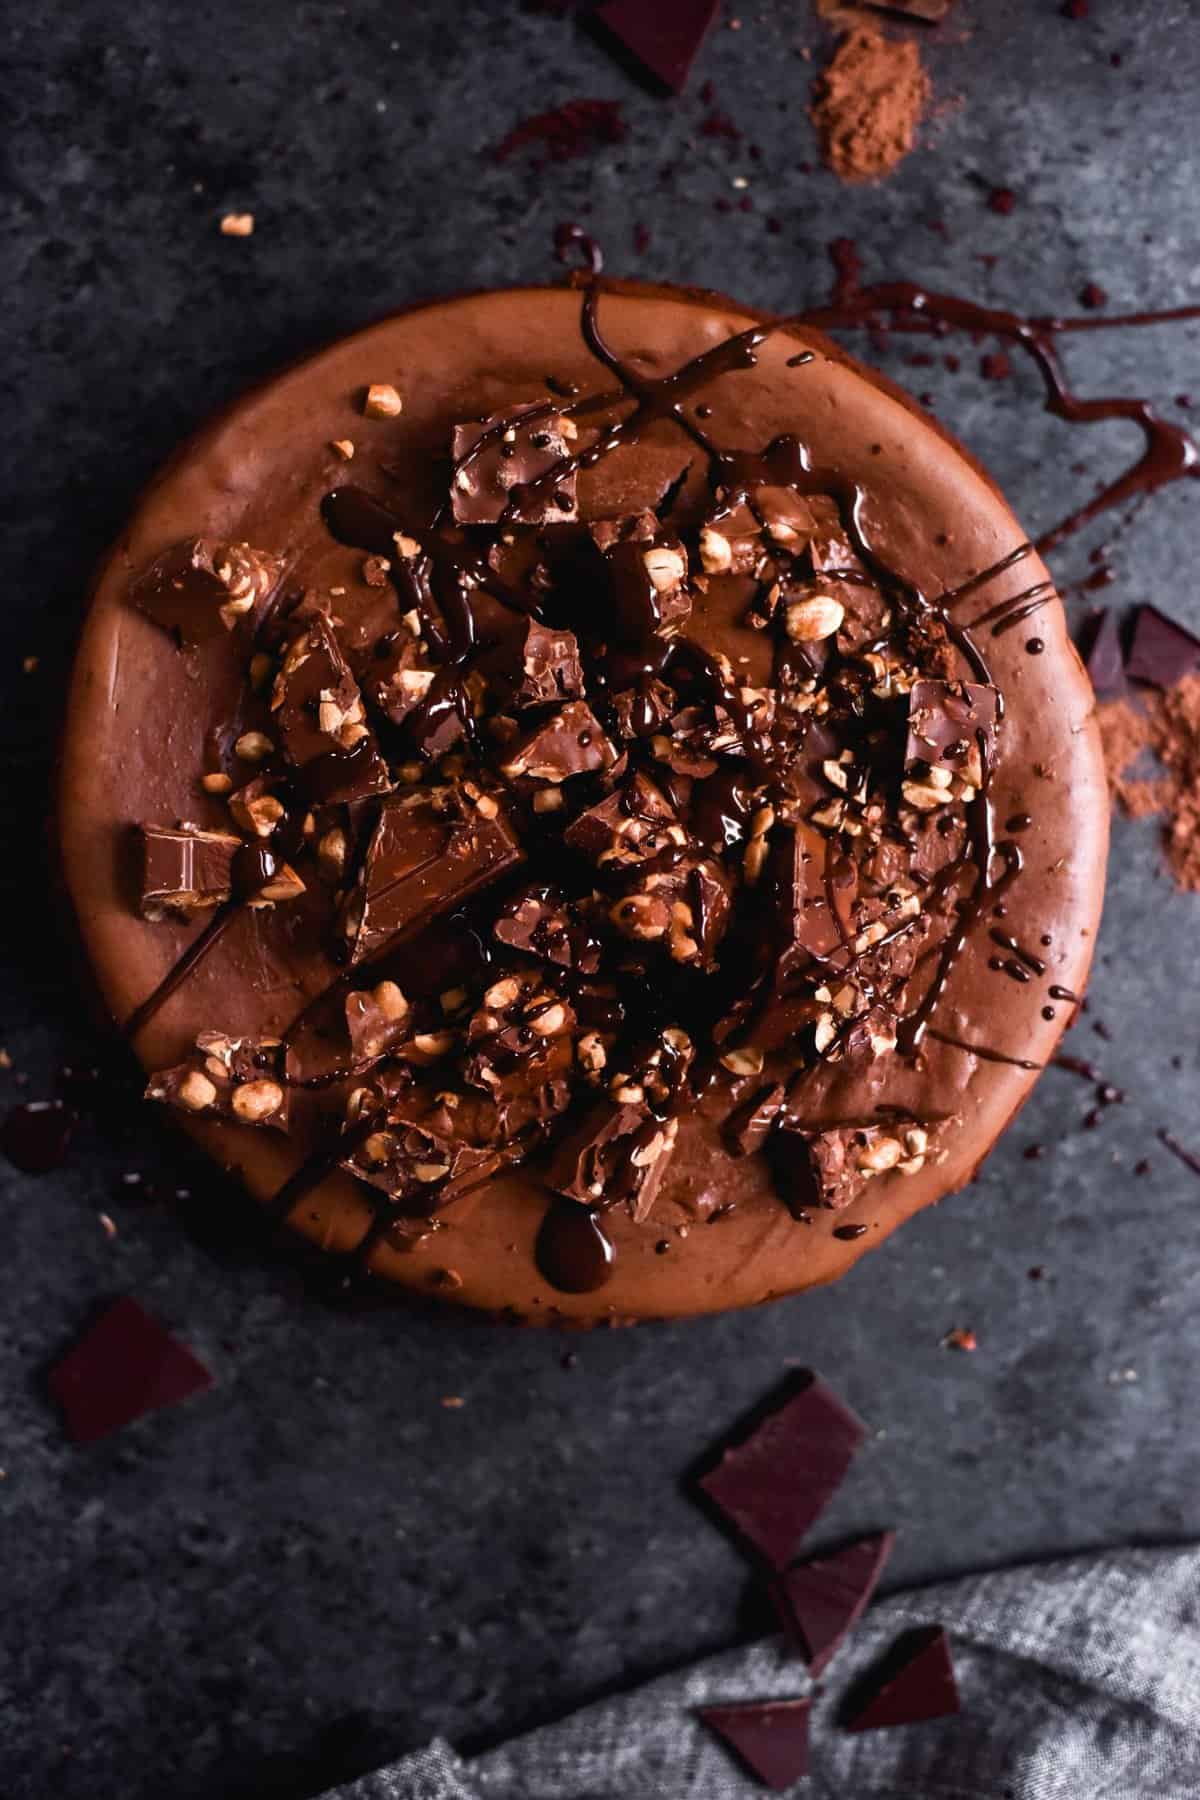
pixel 318 1564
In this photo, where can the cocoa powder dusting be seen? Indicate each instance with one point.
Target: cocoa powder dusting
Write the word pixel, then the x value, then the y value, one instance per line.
pixel 868 103
pixel 1170 727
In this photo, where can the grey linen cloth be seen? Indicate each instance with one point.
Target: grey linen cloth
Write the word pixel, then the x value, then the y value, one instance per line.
pixel 1079 1680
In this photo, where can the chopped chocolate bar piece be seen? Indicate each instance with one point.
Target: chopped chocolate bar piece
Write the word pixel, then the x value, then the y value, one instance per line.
pixel 633 824
pixel 663 39
pixel 535 666
pixel 770 1737
pixel 570 742
pixel 1161 652
pixel 320 716
pixel 647 569
pixel 951 741
pixel 685 907
pixel 430 849
pixel 200 588
pixel 750 1125
pixel 417 1160
pixel 185 869
pixel 827 1168
pixel 400 681
pixel 541 922
pixel 520 1039
pixel 503 464
pixel 227 1078
pixel 819 1603
pixel 618 1155
pixel 777 1482
pixel 813 887
pixel 127 1364
pixel 1105 658
pixel 915 1682
pixel 377 1019
pixel 645 709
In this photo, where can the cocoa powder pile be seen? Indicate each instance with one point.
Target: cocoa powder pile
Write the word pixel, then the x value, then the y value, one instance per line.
pixel 1169 726
pixel 868 103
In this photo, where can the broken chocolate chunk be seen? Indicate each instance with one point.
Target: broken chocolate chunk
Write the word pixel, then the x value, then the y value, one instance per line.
pixel 1161 652
pixel 521 1038
pixel 915 1682
pixel 503 468
pixel 750 1125
pixel 647 571
pixel 828 1167
pixel 951 741
pixel 535 666
pixel 227 1078
pixel 618 1155
pixel 819 1603
pixel 542 923
pixel 629 826
pixel 184 869
pixel 775 1483
pixel 377 1019
pixel 642 710
pixel 570 742
pixel 414 1156
pixel 200 588
pixel 685 906
pixel 812 886
pixel 127 1364
pixel 664 39
pixel 770 1737
pixel 320 716
pixel 429 850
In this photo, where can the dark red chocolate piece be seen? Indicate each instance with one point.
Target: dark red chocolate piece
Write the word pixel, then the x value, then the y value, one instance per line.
pixel 770 1737
pixel 199 588
pixel 820 1602
pixel 429 850
pixel 915 1682
pixel 777 1482
pixel 1161 652
pixel 663 39
pixel 501 465
pixel 127 1364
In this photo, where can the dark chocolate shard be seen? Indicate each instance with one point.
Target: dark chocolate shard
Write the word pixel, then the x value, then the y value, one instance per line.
pixel 570 742
pixel 127 1364
pixel 400 681
pixel 503 464
pixel 618 1155
pixel 647 571
pixel 535 666
pixel 1161 652
pixel 642 710
pixel 915 1682
pixel 828 1167
pixel 430 849
pixel 819 1603
pixel 521 1039
pixel 951 741
pixel 185 869
pixel 417 1158
pixel 685 908
pixel 320 717
pixel 775 1483
pixel 631 825
pixel 542 923
pixel 750 1125
pixel 201 588
pixel 227 1078
pixel 663 40
pixel 377 1019
pixel 770 1737
pixel 812 887
pixel 1104 656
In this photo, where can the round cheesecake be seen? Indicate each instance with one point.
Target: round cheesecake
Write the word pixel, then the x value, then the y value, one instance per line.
pixel 582 799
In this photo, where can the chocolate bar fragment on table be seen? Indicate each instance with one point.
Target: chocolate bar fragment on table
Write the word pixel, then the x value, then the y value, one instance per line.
pixel 318 711
pixel 951 741
pixel 201 587
pixel 429 850
pixel 503 465
pixel 227 1078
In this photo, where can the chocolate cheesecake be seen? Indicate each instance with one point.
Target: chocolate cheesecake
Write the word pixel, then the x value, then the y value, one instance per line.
pixel 583 799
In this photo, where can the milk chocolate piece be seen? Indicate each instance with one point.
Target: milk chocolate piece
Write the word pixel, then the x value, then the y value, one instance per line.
pixel 414 1157
pixel 501 465
pixel 819 1603
pixel 750 1125
pixel 126 1365
pixel 685 907
pixel 647 573
pixel 664 39
pixel 770 1737
pixel 429 850
pixel 570 742
pixel 399 682
pixel 1161 652
pixel 634 823
pixel 825 1168
pixel 618 1155
pixel 813 886
pixel 377 1019
pixel 321 721
pixel 227 1078
pixel 951 737
pixel 542 923
pixel 520 1040
pixel 185 869
pixel 642 710
pixel 915 1682
pixel 778 1481
pixel 535 666
pixel 200 588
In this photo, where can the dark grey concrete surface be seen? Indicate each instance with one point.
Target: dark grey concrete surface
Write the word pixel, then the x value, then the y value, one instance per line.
pixel 318 1564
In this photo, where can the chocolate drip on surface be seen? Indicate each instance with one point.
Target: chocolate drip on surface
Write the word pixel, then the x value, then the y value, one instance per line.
pixel 573 1251
pixel 983 1051
pixel 191 959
